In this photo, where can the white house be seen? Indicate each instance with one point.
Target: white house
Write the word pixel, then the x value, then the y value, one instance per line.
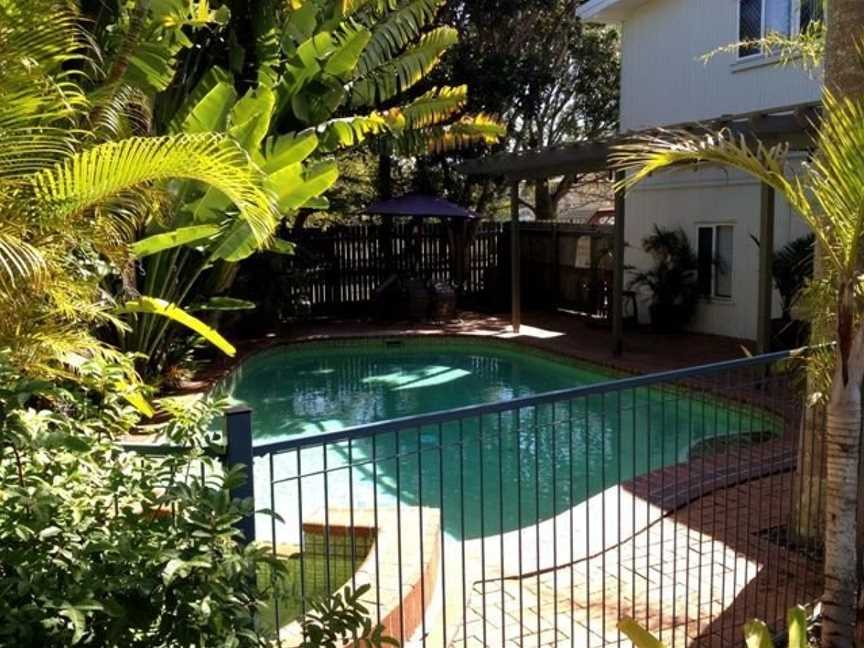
pixel 665 81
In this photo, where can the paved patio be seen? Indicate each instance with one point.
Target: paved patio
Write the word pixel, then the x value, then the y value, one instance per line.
pixel 692 578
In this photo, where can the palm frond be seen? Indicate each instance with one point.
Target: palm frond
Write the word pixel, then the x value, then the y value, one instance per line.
pixel 837 181
pixel 43 51
pixel 396 31
pixel 20 264
pixel 467 131
pixel 97 174
pixel 24 151
pixel 400 73
pixel 644 155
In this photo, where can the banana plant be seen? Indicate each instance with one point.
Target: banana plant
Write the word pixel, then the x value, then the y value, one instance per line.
pixel 757 634
pixel 71 191
pixel 323 68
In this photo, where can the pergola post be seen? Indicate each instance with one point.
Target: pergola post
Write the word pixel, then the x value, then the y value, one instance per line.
pixel 515 259
pixel 766 256
pixel 618 273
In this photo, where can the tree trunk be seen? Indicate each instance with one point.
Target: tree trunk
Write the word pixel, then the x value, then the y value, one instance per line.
pixel 844 22
pixel 543 206
pixel 844 77
pixel 842 447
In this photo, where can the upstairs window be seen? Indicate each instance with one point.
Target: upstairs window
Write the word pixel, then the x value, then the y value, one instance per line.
pixel 750 14
pixel 715 261
pixel 809 11
pixel 758 18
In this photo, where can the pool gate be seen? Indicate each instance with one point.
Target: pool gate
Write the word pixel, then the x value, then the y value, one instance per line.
pixel 688 500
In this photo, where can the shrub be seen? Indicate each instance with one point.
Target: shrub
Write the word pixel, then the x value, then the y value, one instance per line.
pixel 101 547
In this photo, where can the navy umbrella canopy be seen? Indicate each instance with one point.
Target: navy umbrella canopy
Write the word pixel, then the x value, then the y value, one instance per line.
pixel 420 205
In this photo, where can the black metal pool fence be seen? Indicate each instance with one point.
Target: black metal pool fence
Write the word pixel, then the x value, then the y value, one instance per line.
pixel 684 499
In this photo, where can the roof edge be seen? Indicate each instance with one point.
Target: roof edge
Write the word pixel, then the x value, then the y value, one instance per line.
pixel 607 12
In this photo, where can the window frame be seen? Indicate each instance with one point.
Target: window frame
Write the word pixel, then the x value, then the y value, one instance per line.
pixel 761 50
pixel 795 18
pixel 712 292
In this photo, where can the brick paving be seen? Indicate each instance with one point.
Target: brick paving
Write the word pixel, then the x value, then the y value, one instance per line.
pixel 692 577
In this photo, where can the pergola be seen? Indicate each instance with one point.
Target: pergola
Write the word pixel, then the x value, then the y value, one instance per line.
pixel 789 125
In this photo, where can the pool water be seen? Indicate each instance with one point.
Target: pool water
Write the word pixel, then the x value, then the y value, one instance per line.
pixel 486 474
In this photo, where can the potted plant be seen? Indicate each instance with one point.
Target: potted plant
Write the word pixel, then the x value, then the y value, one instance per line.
pixel 792 268
pixel 672 280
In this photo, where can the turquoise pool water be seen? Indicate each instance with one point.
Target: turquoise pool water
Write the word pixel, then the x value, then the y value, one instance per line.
pixel 486 474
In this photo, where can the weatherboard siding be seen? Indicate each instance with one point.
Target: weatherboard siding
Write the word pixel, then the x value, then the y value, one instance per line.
pixel 663 80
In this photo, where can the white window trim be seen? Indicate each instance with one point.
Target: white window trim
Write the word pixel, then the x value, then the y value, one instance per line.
pixel 761 52
pixel 795 19
pixel 713 296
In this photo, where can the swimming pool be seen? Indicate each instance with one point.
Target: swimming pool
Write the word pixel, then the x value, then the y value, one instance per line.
pixel 487 473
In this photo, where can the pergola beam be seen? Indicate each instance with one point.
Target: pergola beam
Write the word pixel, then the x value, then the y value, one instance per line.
pixel 792 125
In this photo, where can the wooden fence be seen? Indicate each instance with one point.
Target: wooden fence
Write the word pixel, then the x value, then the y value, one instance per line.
pixel 339 269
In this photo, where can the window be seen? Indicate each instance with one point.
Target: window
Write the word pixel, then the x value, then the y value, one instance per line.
pixel 758 18
pixel 715 261
pixel 749 26
pixel 809 11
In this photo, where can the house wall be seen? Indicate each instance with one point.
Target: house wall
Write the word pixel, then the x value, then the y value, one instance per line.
pixel 663 81
pixel 689 198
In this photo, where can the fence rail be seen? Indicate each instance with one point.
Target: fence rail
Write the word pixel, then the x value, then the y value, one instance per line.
pixel 672 498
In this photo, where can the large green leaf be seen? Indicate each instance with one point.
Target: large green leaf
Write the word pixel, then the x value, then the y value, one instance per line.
pixel 398 74
pixel 155 306
pixel 640 637
pixel 344 60
pixel 315 181
pixel 288 149
pixel 757 634
pixel 208 105
pixel 797 620
pixel 249 120
pixel 174 238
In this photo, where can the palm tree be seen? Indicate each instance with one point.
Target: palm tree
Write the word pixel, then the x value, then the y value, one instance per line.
pixel 830 198
pixel 71 196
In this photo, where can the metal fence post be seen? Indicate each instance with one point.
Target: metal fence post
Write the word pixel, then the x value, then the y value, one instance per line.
pixel 238 434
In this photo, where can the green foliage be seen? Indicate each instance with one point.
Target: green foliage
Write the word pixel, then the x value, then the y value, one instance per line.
pixel 756 632
pixel 791 268
pixel 672 280
pixel 334 621
pixel 548 77
pixel 74 190
pixel 102 547
pixel 314 70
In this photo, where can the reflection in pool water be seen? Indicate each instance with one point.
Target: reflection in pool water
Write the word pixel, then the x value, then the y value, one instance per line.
pixel 490 473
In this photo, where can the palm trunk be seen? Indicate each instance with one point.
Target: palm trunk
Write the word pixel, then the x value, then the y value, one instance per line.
pixel 844 73
pixel 842 448
pixel 844 77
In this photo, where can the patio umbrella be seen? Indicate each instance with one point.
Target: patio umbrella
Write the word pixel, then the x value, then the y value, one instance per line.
pixel 421 206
